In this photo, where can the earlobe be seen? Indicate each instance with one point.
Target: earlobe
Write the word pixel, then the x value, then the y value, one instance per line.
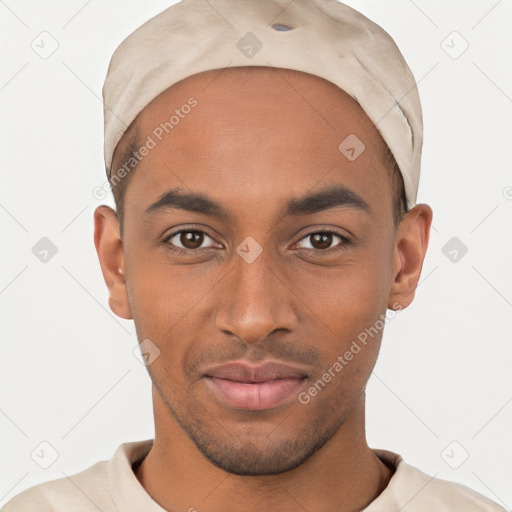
pixel 109 247
pixel 411 245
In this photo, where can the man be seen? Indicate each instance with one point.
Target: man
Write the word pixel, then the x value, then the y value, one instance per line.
pixel 264 159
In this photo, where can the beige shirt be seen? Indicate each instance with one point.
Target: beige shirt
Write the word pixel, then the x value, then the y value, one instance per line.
pixel 111 486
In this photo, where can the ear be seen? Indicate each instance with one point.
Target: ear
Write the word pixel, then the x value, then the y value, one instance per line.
pixel 109 247
pixel 411 244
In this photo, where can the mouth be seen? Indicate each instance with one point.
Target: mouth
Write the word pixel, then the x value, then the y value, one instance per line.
pixel 245 386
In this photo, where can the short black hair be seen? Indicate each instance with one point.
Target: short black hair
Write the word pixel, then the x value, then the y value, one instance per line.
pixel 129 145
pixel 399 201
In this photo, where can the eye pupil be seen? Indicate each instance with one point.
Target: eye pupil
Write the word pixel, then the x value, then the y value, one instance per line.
pixel 191 239
pixel 325 240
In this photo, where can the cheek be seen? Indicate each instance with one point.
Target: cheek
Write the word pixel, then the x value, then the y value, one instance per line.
pixel 346 311
pixel 346 298
pixel 166 300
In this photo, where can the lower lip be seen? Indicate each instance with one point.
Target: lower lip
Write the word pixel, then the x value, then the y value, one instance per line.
pixel 258 395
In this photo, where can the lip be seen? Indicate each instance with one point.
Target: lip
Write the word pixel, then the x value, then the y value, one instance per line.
pixel 247 386
pixel 241 371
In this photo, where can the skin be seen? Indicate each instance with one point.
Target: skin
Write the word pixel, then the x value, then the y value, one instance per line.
pixel 257 138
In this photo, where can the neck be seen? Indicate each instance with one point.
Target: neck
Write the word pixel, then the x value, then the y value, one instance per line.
pixel 345 474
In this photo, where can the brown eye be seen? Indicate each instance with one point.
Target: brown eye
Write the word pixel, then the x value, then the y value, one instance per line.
pixel 191 239
pixel 322 241
pixel 187 240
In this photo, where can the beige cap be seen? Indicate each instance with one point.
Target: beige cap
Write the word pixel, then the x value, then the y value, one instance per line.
pixel 321 37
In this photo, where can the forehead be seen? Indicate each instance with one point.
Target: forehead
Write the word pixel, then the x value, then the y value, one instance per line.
pixel 259 100
pixel 257 131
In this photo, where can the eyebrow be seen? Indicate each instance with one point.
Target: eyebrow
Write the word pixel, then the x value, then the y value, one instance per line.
pixel 325 199
pixel 331 197
pixel 189 201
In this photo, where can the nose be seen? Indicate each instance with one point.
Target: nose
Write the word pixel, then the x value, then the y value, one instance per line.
pixel 255 300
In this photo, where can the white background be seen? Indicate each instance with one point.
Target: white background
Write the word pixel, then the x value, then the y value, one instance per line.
pixel 68 374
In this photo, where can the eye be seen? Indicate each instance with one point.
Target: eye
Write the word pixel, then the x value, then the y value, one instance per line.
pixel 321 241
pixel 190 241
pixel 187 241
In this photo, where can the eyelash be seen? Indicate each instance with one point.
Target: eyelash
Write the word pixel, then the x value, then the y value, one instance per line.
pixel 182 252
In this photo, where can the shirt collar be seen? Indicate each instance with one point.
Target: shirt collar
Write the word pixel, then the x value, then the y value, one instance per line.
pixel 127 492
pixel 130 496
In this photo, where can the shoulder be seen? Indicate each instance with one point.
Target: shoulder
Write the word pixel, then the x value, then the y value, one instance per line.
pixel 90 490
pixel 84 491
pixel 447 495
pixel 415 491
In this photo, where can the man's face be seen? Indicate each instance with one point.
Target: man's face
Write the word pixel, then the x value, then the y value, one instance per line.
pixel 253 142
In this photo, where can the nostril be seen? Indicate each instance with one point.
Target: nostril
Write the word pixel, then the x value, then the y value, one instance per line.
pixel 281 27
